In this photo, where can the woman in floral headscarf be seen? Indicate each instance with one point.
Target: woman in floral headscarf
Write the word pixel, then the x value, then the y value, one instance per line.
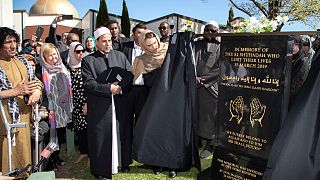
pixel 57 82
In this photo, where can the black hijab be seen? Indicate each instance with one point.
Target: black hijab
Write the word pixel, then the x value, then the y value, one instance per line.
pixel 299 70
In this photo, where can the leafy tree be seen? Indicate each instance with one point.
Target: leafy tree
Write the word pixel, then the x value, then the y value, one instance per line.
pixel 305 11
pixel 125 21
pixel 103 15
pixel 231 16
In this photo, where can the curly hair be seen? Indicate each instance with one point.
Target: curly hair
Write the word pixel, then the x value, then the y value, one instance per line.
pixel 5 32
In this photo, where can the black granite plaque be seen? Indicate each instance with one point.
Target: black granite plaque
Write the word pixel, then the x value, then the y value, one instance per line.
pixel 253 102
pixel 253 92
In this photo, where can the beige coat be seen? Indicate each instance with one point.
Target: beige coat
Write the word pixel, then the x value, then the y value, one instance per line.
pixel 21 153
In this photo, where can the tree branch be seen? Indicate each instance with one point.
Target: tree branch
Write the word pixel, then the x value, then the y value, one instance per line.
pixel 260 7
pixel 240 9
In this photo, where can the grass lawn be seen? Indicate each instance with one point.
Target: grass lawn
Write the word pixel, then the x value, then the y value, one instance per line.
pixel 137 171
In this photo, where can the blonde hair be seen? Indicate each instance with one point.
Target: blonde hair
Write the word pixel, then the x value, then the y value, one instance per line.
pixel 47 48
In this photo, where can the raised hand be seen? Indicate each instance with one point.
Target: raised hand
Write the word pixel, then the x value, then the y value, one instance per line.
pixel 257 111
pixel 58 18
pixel 236 109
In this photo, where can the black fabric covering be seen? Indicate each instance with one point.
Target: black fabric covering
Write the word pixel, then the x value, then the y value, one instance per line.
pixel 165 132
pixel 296 151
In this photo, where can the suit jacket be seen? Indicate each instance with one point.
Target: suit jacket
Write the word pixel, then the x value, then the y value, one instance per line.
pixel 127 50
pixel 117 44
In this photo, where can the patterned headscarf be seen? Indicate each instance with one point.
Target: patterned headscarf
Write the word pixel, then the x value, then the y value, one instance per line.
pixel 58 67
pixel 57 82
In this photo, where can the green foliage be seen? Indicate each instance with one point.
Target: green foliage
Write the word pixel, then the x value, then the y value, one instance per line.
pixel 231 16
pixel 103 15
pixel 304 11
pixel 125 21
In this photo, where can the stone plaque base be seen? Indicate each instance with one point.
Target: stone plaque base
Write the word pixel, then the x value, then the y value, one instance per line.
pixel 228 165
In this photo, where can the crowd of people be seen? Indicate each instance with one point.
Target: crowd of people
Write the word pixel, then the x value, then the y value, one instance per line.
pixel 124 98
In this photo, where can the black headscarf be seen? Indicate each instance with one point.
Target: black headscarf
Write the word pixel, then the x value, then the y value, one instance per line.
pixel 299 70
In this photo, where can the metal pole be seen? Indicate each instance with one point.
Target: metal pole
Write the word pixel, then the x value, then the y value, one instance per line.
pixel 8 128
pixel 5 121
pixel 36 126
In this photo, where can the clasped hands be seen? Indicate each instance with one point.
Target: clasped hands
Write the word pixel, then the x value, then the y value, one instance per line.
pixel 31 88
pixel 115 88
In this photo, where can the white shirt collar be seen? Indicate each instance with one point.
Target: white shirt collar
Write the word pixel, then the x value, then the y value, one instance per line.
pixel 135 46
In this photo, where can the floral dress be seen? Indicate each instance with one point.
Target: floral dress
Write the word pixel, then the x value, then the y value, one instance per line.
pixel 79 99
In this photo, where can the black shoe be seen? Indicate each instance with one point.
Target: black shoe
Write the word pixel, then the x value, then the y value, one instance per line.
pixel 172 174
pixel 157 170
pixel 125 169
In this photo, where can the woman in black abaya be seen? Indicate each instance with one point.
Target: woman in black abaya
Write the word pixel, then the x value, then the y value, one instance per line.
pixel 165 132
pixel 295 154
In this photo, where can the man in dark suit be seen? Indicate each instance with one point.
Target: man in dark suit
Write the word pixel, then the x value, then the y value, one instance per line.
pixel 117 38
pixel 133 101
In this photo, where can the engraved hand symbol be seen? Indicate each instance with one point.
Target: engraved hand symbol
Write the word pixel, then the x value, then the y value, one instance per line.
pixel 236 109
pixel 257 111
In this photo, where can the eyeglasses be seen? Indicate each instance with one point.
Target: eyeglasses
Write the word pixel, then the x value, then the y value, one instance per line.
pixel 79 51
pixel 162 27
